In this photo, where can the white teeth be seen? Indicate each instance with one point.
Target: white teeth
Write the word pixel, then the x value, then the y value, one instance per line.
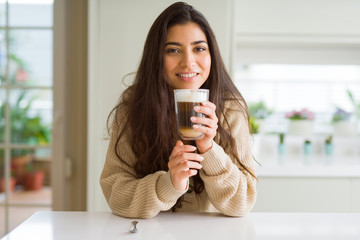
pixel 187 75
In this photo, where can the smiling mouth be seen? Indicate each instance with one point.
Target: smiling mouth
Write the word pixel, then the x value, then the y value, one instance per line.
pixel 187 75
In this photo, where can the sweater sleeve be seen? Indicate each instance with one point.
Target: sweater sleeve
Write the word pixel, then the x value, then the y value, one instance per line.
pixel 231 189
pixel 129 196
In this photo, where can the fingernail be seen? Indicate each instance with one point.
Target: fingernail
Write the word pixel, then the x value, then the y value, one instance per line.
pixel 193 119
pixel 195 126
pixel 197 108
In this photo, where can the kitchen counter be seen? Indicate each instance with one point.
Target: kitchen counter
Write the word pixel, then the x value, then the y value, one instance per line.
pixel 168 225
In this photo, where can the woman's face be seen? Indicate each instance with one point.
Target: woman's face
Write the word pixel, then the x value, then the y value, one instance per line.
pixel 187 59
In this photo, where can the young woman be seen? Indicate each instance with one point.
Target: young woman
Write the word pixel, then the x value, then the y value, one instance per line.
pixel 148 168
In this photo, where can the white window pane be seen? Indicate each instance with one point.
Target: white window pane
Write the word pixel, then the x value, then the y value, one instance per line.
pixel 254 92
pixel 41 13
pixel 299 72
pixel 297 96
pixel 31 57
pixel 3 58
pixel 2 14
pixel 285 87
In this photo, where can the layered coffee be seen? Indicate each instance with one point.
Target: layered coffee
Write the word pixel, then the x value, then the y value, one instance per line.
pixel 185 101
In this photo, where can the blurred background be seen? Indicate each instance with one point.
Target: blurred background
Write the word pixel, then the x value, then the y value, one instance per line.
pixel 62 68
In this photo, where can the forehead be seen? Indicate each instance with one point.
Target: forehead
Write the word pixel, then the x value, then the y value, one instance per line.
pixel 185 33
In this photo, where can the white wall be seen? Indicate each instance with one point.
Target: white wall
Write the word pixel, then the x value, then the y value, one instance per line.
pixel 298 17
pixel 117 32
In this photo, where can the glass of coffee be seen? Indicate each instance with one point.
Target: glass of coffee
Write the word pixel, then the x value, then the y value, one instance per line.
pixel 185 101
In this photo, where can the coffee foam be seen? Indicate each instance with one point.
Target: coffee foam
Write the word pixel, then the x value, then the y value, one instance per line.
pixel 191 96
pixel 190 133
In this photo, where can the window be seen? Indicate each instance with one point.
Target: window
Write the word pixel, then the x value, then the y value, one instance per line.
pixel 287 86
pixel 295 75
pixel 26 105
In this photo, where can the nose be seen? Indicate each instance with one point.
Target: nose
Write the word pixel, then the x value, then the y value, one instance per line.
pixel 188 59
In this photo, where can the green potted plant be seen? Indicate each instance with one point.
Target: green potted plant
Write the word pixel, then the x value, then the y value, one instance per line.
pixel 329 147
pixel 254 125
pixel 259 111
pixel 281 146
pixel 33 177
pixel 26 127
pixel 308 148
pixel 355 104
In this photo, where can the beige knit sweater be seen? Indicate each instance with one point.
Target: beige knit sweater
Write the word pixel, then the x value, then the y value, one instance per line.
pixel 228 188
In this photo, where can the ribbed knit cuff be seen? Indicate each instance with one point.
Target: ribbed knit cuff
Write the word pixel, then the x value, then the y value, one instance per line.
pixel 165 189
pixel 214 161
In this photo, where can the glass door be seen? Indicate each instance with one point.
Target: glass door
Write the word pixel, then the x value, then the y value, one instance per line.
pixel 26 106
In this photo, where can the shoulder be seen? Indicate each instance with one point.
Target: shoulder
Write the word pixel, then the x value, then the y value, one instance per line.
pixel 234 106
pixel 118 118
pixel 234 115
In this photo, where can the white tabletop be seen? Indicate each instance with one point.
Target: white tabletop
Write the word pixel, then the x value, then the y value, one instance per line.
pixel 186 226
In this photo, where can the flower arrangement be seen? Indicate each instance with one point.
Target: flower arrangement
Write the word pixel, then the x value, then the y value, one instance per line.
pixel 340 115
pixel 304 114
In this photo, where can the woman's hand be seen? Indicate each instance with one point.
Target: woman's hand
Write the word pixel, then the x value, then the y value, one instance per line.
pixel 210 125
pixel 183 163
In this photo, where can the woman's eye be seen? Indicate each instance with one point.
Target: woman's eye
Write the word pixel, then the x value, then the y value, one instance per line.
pixel 172 50
pixel 200 49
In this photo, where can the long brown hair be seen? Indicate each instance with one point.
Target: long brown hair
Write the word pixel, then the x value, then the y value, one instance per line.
pixel 149 104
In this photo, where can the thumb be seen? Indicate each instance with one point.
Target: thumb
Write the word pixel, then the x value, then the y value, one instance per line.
pixel 179 143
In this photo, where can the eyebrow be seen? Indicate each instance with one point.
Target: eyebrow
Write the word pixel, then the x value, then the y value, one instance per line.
pixel 179 44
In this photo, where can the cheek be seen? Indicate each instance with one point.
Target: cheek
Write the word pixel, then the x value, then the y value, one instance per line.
pixel 169 65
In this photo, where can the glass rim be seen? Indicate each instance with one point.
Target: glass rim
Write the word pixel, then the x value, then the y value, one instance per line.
pixel 191 90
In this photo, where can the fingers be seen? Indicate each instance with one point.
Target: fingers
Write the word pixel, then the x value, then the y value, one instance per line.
pixel 189 173
pixel 207 108
pixel 180 148
pixel 209 125
pixel 205 121
pixel 211 121
pixel 183 163
pixel 206 130
pixel 185 160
